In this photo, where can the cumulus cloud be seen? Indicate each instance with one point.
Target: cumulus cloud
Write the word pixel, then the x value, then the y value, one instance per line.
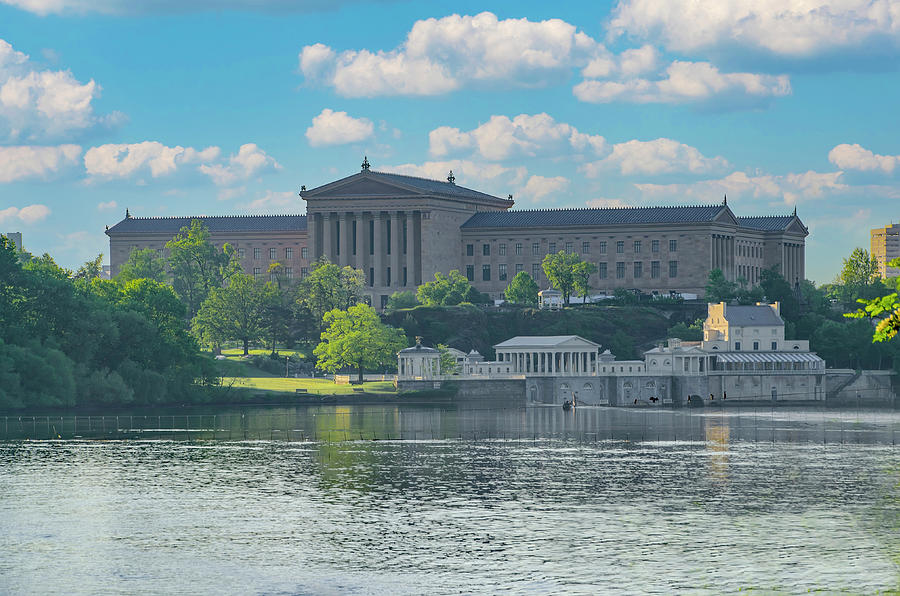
pixel 442 55
pixel 684 82
pixel 489 177
pixel 276 202
pixel 107 206
pixel 21 162
pixel 539 187
pixel 790 188
pixel 249 161
pixel 130 7
pixel 856 157
pixel 601 203
pixel 338 128
pixel 659 156
pixel 42 104
pixel 501 138
pixel 791 28
pixel 27 215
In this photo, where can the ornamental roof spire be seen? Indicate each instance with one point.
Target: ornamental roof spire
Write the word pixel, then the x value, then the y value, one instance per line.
pixel 365 164
pixel 725 199
pixel 451 178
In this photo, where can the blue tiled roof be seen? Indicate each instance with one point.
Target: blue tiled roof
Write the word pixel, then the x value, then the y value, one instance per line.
pixel 593 217
pixel 773 223
pixel 436 187
pixel 216 224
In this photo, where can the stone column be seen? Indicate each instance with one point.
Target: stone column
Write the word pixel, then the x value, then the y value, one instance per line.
pixel 327 224
pixel 379 250
pixel 396 249
pixel 343 255
pixel 415 249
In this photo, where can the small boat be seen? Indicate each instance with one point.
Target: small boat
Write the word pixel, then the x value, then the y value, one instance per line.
pixel 567 405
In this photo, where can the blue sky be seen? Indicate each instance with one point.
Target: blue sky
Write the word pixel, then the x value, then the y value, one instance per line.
pixel 176 108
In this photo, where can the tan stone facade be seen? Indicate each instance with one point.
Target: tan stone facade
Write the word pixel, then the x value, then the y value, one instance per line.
pixel 402 230
pixel 885 246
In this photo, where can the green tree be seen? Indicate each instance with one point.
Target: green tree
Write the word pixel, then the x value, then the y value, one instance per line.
pixel 692 332
pixel 232 312
pixel 328 287
pixel 581 278
pixel 777 289
pixel 719 289
pixel 522 290
pixel 91 269
pixel 401 300
pixel 198 266
pixel 560 271
pixel 448 290
pixel 449 366
pixel 143 263
pixel 357 337
pixel 858 273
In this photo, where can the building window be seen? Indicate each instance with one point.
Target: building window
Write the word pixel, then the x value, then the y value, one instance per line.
pixel 256 273
pixel 654 269
pixel 289 272
pixel 501 274
pixel 388 277
pixel 774 346
pixel 470 250
pixel 273 277
pixel 601 270
pixel 620 247
pixel 673 268
pixel 585 248
pixel 520 268
pixel 486 250
pixel 304 271
pixel 486 273
pixel 405 278
pixel 673 245
pixel 654 246
pixel 535 271
pixel 570 247
pixel 637 246
pixel 371 236
pixel 257 254
pixel 273 254
pixel 603 247
pixel 518 248
pixel 638 269
pixel 737 346
pixel 289 253
pixel 756 345
pixel 304 252
pixel 470 272
pixel 620 270
pixel 552 247
pixel 371 277
pixel 502 250
pixel 241 253
pixel 535 249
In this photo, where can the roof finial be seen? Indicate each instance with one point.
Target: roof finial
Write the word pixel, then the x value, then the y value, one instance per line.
pixel 127 213
pixel 302 188
pixel 418 341
pixel 795 210
pixel 725 199
pixel 509 197
pixel 451 178
pixel 365 164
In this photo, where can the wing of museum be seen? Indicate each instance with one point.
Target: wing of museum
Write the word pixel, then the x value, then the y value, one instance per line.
pixel 401 230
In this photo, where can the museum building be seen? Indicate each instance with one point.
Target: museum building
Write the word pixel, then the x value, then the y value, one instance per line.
pixel 401 230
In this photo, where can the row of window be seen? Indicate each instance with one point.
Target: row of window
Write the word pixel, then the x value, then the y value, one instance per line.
pixel 273 253
pixel 636 247
pixel 737 346
pixel 602 270
pixel 288 273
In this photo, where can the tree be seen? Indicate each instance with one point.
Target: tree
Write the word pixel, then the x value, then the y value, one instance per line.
pixel 232 312
pixel 560 271
pixel 581 278
pixel 329 287
pixel 401 300
pixel 449 365
pixel 719 289
pixel 858 272
pixel 357 337
pixel 448 290
pixel 198 266
pixel 91 269
pixel 522 290
pixel 143 264
pixel 778 289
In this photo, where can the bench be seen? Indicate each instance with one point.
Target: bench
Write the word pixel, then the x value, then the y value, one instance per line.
pixel 301 390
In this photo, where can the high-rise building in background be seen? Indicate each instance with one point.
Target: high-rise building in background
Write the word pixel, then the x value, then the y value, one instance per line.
pixel 885 246
pixel 16 238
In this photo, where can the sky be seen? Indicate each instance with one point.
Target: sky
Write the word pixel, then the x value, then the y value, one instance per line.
pixel 203 107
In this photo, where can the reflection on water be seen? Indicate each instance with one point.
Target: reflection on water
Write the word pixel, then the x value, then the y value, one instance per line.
pixel 442 501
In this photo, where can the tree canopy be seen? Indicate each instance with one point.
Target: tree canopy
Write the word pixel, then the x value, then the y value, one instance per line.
pixel 329 287
pixel 356 337
pixel 522 290
pixel 560 271
pixel 234 312
pixel 143 263
pixel 448 290
pixel 197 266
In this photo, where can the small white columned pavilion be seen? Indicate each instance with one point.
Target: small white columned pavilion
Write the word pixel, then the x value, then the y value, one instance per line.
pixel 418 362
pixel 551 355
pixel 550 299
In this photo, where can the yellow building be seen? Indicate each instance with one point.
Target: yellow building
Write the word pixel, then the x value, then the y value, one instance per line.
pixel 885 246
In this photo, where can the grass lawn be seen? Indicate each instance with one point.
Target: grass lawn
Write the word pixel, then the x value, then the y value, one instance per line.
pixel 313 386
pixel 234 353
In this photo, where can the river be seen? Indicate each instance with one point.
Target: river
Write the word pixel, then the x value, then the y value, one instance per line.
pixel 415 500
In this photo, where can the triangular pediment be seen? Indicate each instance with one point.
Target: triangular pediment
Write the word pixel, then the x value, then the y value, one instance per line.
pixel 726 216
pixel 795 227
pixel 360 186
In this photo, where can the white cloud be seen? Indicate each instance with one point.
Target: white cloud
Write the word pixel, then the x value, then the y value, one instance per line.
pixel 501 138
pixel 28 215
pixel 442 55
pixel 687 82
pixel 20 162
pixel 856 157
pixel 792 28
pixel 790 188
pixel 277 202
pixel 659 156
pixel 629 63
pixel 249 161
pixel 539 187
pixel 42 104
pixel 488 177
pixel 337 128
pixel 601 203
pixel 107 206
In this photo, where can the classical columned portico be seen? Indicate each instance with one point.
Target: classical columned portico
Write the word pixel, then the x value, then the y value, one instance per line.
pixel 567 362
